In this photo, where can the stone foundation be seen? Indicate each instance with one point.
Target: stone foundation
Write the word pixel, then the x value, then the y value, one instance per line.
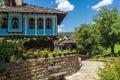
pixel 37 69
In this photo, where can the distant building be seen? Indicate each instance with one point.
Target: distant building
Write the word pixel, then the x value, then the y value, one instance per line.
pixel 65 44
pixel 21 19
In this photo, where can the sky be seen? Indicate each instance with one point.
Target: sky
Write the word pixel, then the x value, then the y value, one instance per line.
pixel 78 11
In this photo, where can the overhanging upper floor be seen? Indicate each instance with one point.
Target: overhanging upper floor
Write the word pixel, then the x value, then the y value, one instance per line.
pixel 32 9
pixel 23 19
pixel 28 24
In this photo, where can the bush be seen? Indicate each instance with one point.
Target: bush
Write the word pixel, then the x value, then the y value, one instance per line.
pixel 30 54
pixel 98 57
pixel 37 53
pixel 106 55
pixel 66 52
pixel 111 71
pixel 97 50
pixel 10 52
pixel 56 52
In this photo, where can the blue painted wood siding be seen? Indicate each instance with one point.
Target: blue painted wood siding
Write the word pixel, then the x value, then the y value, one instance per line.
pixel 10 17
pixel 24 28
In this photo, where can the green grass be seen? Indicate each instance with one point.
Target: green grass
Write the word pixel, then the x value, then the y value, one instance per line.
pixel 106 54
pixel 117 48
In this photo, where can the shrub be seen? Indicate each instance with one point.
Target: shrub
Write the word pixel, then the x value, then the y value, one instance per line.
pixel 66 52
pixel 10 52
pixel 106 54
pixel 29 54
pixel 56 52
pixel 97 50
pixel 111 71
pixel 46 53
pixel 74 51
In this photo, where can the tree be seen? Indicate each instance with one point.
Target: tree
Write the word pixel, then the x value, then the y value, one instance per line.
pixel 86 38
pixel 109 27
pixel 1 3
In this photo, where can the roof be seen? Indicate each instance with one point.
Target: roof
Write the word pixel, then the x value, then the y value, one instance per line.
pixel 65 41
pixel 26 8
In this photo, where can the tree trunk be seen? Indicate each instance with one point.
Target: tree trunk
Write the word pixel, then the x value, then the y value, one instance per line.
pixel 112 49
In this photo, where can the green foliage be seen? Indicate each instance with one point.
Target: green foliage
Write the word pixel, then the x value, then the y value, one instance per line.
pixel 73 51
pixel 33 53
pixel 105 33
pixel 118 53
pixel 46 53
pixel 18 54
pixel 57 52
pixel 17 40
pixel 103 54
pixel 86 38
pixel 109 27
pixel 10 51
pixel 62 34
pixel 117 49
pixel 111 71
pixel 37 53
pixel 66 52
pixel 97 50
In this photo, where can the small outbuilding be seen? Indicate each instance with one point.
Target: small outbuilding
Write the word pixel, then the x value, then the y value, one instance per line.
pixel 65 44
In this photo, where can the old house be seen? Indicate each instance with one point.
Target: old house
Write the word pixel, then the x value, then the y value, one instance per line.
pixel 21 19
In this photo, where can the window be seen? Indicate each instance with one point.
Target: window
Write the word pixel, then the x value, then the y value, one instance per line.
pixel 40 23
pixel 15 22
pixel 48 23
pixel 4 23
pixel 31 23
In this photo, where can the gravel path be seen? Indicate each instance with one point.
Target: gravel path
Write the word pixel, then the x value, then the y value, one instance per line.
pixel 88 71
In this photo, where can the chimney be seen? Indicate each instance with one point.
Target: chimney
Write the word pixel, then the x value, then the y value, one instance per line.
pixel 19 2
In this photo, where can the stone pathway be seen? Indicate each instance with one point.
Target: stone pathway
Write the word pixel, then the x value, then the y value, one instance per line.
pixel 88 71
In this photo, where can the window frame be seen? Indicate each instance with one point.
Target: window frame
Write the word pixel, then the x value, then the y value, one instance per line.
pixel 48 23
pixel 5 21
pixel 31 24
pixel 15 22
pixel 40 23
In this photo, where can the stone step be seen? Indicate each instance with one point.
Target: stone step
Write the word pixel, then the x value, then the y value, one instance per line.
pixel 54 67
pixel 58 74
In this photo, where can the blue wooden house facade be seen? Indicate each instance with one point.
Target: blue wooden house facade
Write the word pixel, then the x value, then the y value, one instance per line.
pixel 23 19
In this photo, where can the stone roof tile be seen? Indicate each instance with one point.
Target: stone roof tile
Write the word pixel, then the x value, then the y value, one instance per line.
pixel 26 8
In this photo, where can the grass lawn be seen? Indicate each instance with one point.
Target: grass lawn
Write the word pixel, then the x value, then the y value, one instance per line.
pixel 106 54
pixel 117 48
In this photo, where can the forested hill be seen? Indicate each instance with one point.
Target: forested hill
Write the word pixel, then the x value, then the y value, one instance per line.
pixel 62 34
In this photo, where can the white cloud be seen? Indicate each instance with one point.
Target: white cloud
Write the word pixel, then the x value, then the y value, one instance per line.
pixel 60 28
pixel 64 5
pixel 93 22
pixel 102 3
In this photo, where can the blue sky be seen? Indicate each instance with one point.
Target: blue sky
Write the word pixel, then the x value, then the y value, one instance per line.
pixel 78 11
